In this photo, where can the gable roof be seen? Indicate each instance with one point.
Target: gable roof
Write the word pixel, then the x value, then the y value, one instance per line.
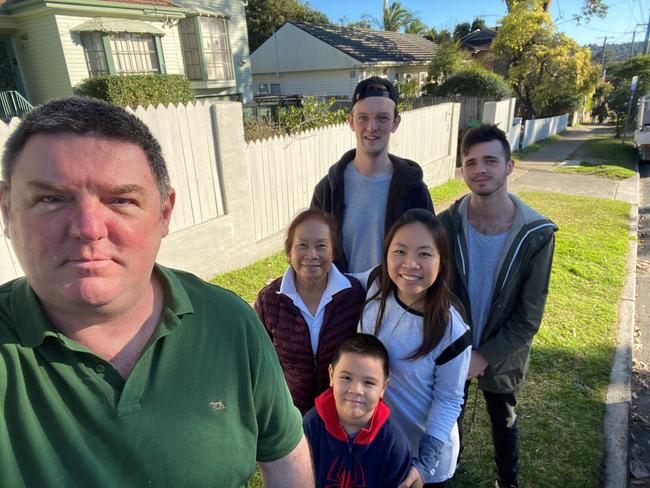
pixel 368 46
pixel 478 38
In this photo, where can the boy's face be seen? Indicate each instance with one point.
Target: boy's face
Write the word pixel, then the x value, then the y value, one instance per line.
pixel 358 382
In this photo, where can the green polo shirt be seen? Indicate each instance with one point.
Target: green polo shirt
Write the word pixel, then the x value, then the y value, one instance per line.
pixel 205 400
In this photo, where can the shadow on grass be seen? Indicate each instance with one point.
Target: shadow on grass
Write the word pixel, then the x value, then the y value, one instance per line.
pixel 560 411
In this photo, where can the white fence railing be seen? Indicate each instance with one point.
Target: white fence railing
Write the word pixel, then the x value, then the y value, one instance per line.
pixel 538 129
pixel 237 196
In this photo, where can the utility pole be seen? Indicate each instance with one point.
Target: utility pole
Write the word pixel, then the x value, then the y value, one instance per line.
pixel 602 59
pixel 632 48
pixel 647 35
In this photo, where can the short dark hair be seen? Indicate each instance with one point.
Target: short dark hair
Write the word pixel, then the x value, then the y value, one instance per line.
pixel 375 86
pixel 86 116
pixel 315 214
pixel 485 133
pixel 364 345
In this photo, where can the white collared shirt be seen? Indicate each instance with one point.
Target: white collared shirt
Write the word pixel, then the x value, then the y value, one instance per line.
pixel 336 281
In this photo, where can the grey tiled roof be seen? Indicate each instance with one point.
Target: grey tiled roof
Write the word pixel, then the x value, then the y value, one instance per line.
pixel 478 37
pixel 368 46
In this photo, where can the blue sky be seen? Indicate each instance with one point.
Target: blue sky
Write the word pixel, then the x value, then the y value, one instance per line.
pixel 621 19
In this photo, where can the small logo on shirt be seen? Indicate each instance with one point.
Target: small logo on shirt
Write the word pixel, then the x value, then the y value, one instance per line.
pixel 217 405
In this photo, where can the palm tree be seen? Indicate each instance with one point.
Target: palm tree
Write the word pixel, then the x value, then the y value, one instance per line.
pixel 396 17
pixel 417 27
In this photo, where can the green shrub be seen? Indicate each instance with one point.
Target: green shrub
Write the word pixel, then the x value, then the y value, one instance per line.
pixel 312 114
pixel 474 81
pixel 134 90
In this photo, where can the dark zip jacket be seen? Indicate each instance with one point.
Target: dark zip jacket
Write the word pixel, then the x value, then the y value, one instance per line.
pixel 519 294
pixel 378 456
pixel 407 190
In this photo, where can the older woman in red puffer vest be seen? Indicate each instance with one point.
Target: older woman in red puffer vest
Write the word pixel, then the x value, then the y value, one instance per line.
pixel 312 309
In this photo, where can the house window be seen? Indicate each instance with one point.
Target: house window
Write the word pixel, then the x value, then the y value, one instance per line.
pixel 190 44
pixel 134 53
pixel 121 53
pixel 269 89
pixel 206 49
pixel 95 55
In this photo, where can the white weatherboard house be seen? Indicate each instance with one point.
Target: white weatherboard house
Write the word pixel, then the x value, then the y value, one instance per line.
pixel 308 59
pixel 48 47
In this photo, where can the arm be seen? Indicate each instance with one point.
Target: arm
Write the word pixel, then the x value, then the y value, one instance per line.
pixel 425 199
pixel 294 469
pixel 317 196
pixel 526 317
pixel 448 395
pixel 260 310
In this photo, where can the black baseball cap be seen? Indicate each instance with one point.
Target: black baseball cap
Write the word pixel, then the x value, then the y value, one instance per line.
pixel 374 86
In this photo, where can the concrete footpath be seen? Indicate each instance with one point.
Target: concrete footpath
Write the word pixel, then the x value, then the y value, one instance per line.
pixel 535 173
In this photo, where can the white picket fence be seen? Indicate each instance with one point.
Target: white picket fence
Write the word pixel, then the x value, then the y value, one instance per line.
pixel 186 135
pixel 234 200
pixel 538 129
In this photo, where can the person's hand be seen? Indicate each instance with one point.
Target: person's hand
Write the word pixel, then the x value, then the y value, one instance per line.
pixel 412 480
pixel 477 365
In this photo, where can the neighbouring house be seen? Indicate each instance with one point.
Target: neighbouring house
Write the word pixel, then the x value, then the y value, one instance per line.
pixel 46 48
pixel 477 43
pixel 326 60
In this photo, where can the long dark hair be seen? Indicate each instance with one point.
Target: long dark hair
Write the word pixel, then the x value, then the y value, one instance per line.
pixel 436 313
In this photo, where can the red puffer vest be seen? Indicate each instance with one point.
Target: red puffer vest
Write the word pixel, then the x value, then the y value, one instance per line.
pixel 306 373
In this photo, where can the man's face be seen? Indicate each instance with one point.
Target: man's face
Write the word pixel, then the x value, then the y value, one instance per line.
pixel 85 218
pixel 485 169
pixel 373 120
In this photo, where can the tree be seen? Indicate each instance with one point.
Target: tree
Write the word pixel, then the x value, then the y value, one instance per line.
pixel 620 74
pixel 473 80
pixel 590 8
pixel 549 72
pixel 365 22
pixel 477 24
pixel 599 101
pixel 417 27
pixel 461 30
pixel 396 17
pixel 618 101
pixel 443 36
pixel 446 61
pixel 264 17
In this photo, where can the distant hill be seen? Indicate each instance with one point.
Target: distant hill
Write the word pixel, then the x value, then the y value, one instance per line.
pixel 615 52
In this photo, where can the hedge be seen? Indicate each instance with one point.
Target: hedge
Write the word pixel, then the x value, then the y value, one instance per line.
pixel 476 82
pixel 134 90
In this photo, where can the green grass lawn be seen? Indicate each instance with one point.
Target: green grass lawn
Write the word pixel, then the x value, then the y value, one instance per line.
pixel 536 146
pixel 603 155
pixel 448 192
pixel 561 406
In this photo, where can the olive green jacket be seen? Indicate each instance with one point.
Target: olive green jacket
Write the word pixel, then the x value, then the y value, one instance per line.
pixel 519 294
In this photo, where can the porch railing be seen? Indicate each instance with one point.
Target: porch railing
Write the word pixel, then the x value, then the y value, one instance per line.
pixel 13 104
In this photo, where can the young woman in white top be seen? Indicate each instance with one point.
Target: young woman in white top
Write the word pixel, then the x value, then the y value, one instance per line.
pixel 409 310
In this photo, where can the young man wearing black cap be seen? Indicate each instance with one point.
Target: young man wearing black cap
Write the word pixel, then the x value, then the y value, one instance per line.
pixel 367 196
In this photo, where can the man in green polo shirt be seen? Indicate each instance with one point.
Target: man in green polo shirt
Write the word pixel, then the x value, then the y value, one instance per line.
pixel 115 371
